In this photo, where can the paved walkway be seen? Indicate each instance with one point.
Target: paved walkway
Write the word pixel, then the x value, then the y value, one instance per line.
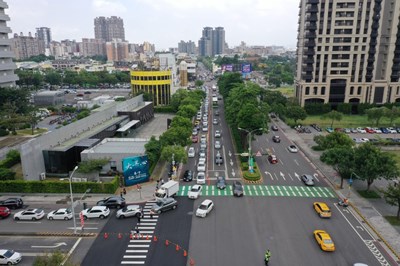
pixel 369 210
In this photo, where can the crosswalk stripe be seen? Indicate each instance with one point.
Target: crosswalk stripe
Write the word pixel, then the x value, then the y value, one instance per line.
pixel 137 251
pixel 132 262
pixel 138 246
pixel 135 256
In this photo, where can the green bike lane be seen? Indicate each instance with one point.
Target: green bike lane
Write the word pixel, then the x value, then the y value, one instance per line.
pixel 265 191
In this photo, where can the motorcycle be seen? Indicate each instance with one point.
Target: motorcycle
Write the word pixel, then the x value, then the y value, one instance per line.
pixel 343 203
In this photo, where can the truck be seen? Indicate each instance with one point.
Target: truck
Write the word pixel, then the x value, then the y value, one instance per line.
pixel 167 190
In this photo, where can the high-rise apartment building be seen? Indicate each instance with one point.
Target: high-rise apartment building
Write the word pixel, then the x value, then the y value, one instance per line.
pixel 7 66
pixel 186 47
pixel 92 47
pixel 117 50
pixel 212 41
pixel 44 34
pixel 348 52
pixel 27 46
pixel 108 29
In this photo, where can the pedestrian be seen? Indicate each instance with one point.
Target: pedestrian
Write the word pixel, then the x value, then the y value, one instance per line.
pixel 137 233
pixel 138 218
pixel 124 190
pixel 142 213
pixel 121 194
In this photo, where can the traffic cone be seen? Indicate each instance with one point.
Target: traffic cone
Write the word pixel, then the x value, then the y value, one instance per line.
pixel 191 262
pixel 184 253
pixel 105 235
pixel 147 237
pixel 177 248
pixel 166 242
pixel 155 239
pixel 130 236
pixel 119 235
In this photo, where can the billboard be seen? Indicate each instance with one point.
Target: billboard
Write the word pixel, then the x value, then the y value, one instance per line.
pixel 246 70
pixel 135 170
pixel 227 68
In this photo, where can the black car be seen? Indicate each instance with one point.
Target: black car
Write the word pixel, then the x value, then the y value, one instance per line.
pixel 276 139
pixel 112 202
pixel 274 128
pixel 237 189
pixel 12 203
pixel 164 205
pixel 188 176
pixel 221 183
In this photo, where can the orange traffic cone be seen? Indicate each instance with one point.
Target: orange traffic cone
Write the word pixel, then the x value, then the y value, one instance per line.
pixel 184 253
pixel 155 239
pixel 131 236
pixel 166 242
pixel 177 248
pixel 147 237
pixel 119 235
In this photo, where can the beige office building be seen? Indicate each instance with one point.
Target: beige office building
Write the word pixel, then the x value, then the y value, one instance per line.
pixel 348 51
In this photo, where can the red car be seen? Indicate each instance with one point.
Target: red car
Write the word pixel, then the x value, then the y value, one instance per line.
pixel 369 130
pixel 4 212
pixel 272 159
pixel 195 139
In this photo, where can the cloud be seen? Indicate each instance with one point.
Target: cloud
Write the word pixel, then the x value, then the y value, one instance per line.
pixel 108 7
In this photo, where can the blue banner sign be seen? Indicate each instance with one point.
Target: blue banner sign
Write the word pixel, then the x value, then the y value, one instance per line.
pixel 136 170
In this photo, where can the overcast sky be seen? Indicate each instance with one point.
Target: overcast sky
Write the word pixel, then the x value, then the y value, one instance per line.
pixel 162 22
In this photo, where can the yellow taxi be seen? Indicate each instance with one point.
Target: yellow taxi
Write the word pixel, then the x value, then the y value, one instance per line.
pixel 324 240
pixel 197 123
pixel 322 209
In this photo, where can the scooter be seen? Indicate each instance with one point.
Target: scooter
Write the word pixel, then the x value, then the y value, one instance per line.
pixel 343 203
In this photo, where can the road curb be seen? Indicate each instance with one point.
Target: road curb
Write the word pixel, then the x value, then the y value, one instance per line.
pixel 65 234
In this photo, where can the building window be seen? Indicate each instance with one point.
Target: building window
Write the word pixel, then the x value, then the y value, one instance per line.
pixel 307 90
pixel 351 90
pixel 315 90
pixel 323 91
pixel 359 90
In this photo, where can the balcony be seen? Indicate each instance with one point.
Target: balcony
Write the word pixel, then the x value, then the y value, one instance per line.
pixel 311 26
pixel 308 52
pixel 312 2
pixel 307 68
pixel 5 29
pixel 309 43
pixel 311 18
pixel 8 66
pixel 5 42
pixel 4 17
pixel 311 35
pixel 6 54
pixel 312 9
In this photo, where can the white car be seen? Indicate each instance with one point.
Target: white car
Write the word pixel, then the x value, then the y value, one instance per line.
pixel 9 257
pixel 217 144
pixel 202 159
pixel 392 130
pixel 203 145
pixel 215 121
pixel 217 134
pixel 191 152
pixel 205 124
pixel 129 211
pixel 205 129
pixel 204 208
pixel 293 148
pixel 96 212
pixel 203 138
pixel 361 130
pixel 201 167
pixel 60 214
pixel 195 192
pixel 29 214
pixel 201 178
pixel 377 130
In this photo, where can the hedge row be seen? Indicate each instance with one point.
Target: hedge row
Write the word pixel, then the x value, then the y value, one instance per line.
pixel 12 158
pixel 22 186
pixel 250 176
pixel 164 109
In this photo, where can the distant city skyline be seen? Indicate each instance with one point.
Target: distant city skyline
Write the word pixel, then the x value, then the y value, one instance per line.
pixel 163 22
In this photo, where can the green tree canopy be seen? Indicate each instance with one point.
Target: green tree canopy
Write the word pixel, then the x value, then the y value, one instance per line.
pixel 176 150
pixel 296 113
pixel 375 114
pixel 334 140
pixel 392 196
pixel 333 116
pixel 180 121
pixel 176 136
pixel 342 160
pixel 92 165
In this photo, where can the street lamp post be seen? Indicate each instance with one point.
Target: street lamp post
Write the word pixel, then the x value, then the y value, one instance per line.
pixel 249 142
pixel 72 199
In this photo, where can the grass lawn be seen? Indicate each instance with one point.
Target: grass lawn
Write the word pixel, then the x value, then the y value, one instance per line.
pixel 28 131
pixel 348 121
pixel 393 220
pixel 370 194
pixel 287 91
pixel 396 156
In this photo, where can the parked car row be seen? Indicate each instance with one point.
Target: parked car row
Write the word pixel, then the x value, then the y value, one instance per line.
pixel 364 130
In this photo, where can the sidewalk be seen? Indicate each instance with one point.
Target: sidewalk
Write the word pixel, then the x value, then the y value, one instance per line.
pixel 369 210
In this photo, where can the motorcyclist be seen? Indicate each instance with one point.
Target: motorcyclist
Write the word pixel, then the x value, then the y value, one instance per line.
pixel 267 256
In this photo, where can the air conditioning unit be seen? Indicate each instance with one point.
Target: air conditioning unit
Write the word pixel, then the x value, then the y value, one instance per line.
pixel 42 176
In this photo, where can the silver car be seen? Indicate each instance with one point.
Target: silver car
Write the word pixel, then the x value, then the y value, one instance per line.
pixel 129 211
pixel 308 180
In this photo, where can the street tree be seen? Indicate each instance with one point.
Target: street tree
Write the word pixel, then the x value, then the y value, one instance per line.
pixel 392 196
pixel 296 113
pixel 198 83
pixel 187 111
pixel 250 117
pixel 177 97
pixel 333 140
pixel 375 114
pixel 370 163
pixel 342 160
pixel 333 116
pixel 92 165
pixel 153 150
pixel 180 121
pixel 228 81
pixel 176 136
pixel 53 77
pixel 392 114
pixel 177 151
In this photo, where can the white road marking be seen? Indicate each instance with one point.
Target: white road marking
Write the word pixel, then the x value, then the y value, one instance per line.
pixel 296 175
pixel 137 251
pixel 132 262
pixel 56 245
pixel 135 256
pixel 282 175
pixel 290 176
pixel 316 177
pixel 295 161
pixel 71 251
